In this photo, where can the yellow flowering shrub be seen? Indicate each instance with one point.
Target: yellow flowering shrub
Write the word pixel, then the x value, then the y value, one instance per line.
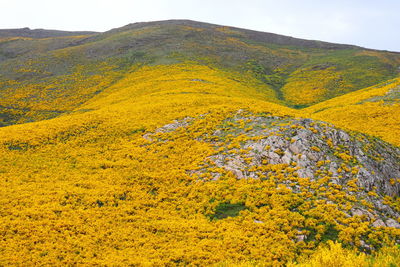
pixel 334 255
pixel 373 110
pixel 126 179
pixel 309 86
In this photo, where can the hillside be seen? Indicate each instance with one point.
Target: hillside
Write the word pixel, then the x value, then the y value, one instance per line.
pixel 186 143
pixel 373 110
pixel 36 75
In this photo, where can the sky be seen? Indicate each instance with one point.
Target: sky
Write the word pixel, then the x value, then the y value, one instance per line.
pixel 368 23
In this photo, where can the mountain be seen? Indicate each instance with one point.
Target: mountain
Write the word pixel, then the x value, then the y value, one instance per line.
pixel 294 72
pixel 186 143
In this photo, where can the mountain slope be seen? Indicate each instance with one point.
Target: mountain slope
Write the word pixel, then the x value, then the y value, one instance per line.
pixel 36 74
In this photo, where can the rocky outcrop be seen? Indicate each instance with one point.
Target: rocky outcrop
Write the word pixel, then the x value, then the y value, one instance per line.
pixel 364 170
pixel 364 167
pixel 169 127
pixel 315 147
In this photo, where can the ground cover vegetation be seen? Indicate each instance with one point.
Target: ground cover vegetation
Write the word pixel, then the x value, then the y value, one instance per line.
pixel 183 143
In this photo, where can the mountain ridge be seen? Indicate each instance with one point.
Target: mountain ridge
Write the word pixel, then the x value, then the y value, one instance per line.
pixel 280 39
pixel 267 37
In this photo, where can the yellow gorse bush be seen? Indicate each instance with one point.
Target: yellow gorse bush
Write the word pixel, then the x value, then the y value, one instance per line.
pixel 372 110
pixel 334 255
pixel 106 184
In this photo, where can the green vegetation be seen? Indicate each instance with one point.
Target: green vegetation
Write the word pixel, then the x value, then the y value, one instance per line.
pixel 224 210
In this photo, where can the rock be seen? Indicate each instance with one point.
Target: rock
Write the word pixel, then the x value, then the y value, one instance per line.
pixel 256 147
pixel 344 136
pixel 296 148
pixel 365 245
pixel 147 136
pixel 362 212
pixel 174 125
pixel 236 172
pixel 273 157
pixel 300 238
pixel 305 173
pixel 333 168
pixel 312 156
pixel 358 212
pixel 392 223
pixel 378 223
pixel 217 132
pixel 303 134
pixel 303 161
pixel 287 157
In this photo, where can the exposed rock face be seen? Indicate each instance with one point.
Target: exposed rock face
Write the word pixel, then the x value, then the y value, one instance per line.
pixel 174 125
pixel 316 147
pixel 169 127
pixel 363 167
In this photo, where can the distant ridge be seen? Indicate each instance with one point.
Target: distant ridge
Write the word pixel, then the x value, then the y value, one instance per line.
pixel 40 33
pixel 258 36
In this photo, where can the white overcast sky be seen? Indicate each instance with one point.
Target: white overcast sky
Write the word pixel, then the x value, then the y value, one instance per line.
pixel 368 23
